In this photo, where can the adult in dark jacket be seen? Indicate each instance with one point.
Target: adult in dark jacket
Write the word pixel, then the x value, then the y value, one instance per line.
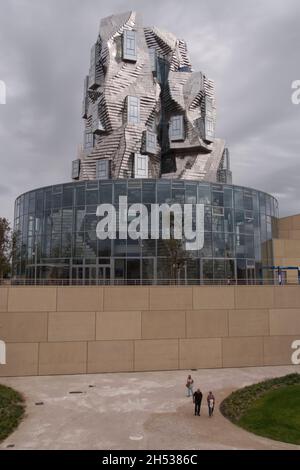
pixel 197 399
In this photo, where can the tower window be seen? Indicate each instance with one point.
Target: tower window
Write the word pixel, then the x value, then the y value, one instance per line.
pixel 102 169
pixel 209 125
pixel 75 169
pixel 151 142
pixel 133 110
pixel 176 130
pixel 152 54
pixel 129 46
pixel 89 140
pixel 140 166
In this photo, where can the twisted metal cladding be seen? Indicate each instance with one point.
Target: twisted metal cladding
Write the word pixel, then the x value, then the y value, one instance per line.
pixel 166 89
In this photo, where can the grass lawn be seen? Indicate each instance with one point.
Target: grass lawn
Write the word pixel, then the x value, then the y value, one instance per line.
pixel 276 415
pixel 270 408
pixel 12 409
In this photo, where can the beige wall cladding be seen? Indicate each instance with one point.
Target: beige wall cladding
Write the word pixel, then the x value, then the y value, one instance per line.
pixel 291 248
pixel 171 298
pixel 283 234
pixel 287 297
pixel 23 327
pixel 32 299
pixel 3 299
pixel 278 350
pixel 285 322
pixel 156 354
pixel 294 235
pixel 278 248
pixel 212 297
pixel 71 326
pixel 21 360
pixel 146 328
pixel 62 358
pixel 296 222
pixel 286 223
pixel 249 322
pixel 200 353
pixel 242 352
pixel 79 299
pixel 163 324
pixel 126 298
pixel 110 356
pixel 118 325
pixel 206 323
pixel 254 297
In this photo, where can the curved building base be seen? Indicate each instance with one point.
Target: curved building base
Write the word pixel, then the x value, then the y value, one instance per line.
pixel 225 238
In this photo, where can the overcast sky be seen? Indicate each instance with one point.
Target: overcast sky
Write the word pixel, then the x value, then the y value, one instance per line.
pixel 250 48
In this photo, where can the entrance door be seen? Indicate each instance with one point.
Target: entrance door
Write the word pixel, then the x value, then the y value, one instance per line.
pixel 181 277
pixel 91 275
pixel 250 272
pixel 103 274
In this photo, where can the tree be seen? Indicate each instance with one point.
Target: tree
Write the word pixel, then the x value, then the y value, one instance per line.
pixel 6 247
pixel 177 256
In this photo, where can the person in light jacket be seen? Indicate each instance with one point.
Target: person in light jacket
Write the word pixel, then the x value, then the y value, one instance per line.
pixel 189 385
pixel 211 403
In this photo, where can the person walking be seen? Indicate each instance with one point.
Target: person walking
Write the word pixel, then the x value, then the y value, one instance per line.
pixel 197 399
pixel 189 386
pixel 211 403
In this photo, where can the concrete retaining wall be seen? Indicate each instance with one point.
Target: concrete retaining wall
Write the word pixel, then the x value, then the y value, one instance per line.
pixel 77 330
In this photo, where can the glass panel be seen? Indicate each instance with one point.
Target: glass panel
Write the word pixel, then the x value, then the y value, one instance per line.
pixel 219 269
pixel 163 192
pixel 230 270
pixel 105 193
pixel 238 199
pixel 203 194
pixel 148 192
pixel 133 269
pixel 228 220
pixel 217 198
pixel 218 245
pixel 241 271
pixel 119 269
pixel 217 223
pixel 191 194
pixel 68 197
pixel 207 248
pixel 80 196
pixel 239 222
pixel 229 245
pixel 147 268
pixel 228 200
pixel 207 219
pixel 208 269
pixel 92 197
pixel 134 195
pixel 248 201
pixel 120 189
pixel 163 269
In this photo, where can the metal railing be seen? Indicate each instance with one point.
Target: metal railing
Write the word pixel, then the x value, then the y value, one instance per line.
pixel 139 282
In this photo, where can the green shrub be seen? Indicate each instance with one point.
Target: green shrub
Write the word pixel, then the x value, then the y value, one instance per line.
pixel 12 410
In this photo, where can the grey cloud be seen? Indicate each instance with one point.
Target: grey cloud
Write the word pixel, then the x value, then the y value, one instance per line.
pixel 250 49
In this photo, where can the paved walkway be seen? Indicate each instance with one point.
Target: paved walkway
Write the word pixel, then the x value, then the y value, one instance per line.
pixel 134 411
